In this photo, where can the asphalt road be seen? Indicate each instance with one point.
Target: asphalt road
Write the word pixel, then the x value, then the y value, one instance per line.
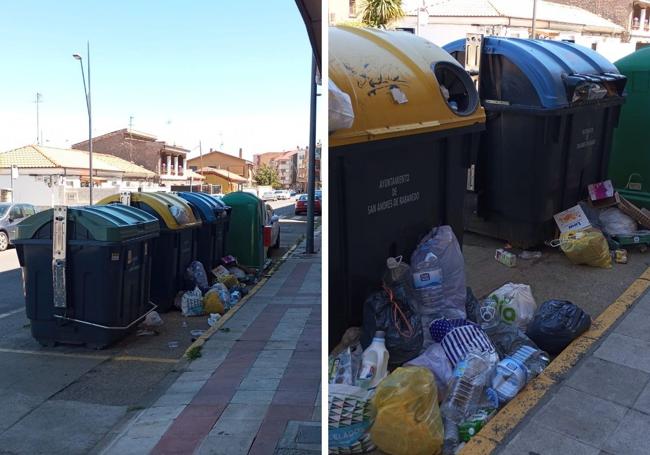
pixel 66 399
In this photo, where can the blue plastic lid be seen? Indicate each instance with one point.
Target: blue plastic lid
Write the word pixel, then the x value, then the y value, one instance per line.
pixel 207 207
pixel 550 66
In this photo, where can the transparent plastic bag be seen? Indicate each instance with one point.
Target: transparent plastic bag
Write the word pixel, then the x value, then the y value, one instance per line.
pixel 196 274
pixel 436 361
pixel 442 242
pixel 408 418
pixel 588 247
pixel 350 416
pixel 192 303
pixel 515 304
pixel 616 222
pixel 341 115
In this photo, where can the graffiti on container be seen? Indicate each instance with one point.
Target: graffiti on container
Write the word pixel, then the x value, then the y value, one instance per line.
pixel 375 83
pixel 587 132
pixel 395 200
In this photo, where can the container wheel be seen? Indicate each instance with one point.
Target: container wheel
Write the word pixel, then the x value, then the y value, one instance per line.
pixel 277 241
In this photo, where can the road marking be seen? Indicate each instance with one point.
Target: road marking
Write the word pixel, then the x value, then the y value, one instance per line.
pixel 131 358
pixel 11 313
pixel 120 358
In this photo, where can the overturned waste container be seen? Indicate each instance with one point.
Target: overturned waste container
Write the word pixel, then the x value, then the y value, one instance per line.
pixel 401 167
pixel 176 246
pixel 629 166
pixel 212 234
pixel 246 238
pixel 86 272
pixel 551 110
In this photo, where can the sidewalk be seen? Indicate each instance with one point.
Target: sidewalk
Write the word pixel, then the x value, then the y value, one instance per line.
pixel 256 387
pixel 603 406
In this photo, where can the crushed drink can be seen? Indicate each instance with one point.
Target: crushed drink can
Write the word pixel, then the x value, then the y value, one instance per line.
pixel 505 257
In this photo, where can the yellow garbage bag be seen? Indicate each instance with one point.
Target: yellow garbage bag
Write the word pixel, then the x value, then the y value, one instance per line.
pixel 408 418
pixel 212 302
pixel 586 247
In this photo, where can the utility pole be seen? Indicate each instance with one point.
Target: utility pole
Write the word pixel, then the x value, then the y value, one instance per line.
pixel 311 176
pixel 38 101
pixel 534 17
pixel 130 122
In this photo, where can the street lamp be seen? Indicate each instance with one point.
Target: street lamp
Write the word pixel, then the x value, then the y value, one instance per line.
pixel 90 118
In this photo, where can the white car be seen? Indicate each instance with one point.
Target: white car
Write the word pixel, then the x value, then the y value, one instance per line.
pixel 283 194
pixel 269 196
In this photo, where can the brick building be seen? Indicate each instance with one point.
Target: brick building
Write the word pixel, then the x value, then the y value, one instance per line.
pixel 220 160
pixel 143 149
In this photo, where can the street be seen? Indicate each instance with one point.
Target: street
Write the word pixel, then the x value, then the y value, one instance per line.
pixel 76 396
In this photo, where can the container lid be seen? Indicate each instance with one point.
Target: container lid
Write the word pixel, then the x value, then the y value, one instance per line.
pixel 209 209
pixel 108 223
pixel 553 68
pixel 171 210
pixel 394 82
pixel 636 61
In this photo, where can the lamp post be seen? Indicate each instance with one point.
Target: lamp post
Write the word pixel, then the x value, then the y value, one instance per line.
pixel 90 117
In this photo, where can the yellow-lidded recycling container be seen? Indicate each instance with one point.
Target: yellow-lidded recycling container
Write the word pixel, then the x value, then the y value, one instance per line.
pixel 174 249
pixel 401 167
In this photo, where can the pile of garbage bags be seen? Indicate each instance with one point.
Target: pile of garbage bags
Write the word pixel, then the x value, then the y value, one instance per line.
pixel 215 296
pixel 431 363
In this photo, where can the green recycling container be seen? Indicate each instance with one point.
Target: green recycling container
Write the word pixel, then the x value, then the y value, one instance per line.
pixel 629 164
pixel 246 232
pixel 176 246
pixel 101 289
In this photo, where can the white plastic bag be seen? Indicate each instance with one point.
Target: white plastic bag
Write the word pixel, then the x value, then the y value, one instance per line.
pixel 341 114
pixel 515 304
pixel 192 303
pixel 435 360
pixel 613 221
pixel 153 319
pixel 442 242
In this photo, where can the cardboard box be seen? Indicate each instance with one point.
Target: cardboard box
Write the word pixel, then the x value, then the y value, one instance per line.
pixel 572 219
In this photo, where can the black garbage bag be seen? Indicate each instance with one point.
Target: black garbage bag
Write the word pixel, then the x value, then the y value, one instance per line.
pixel 556 324
pixel 392 313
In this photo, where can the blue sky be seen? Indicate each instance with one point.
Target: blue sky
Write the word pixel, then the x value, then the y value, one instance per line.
pixel 226 72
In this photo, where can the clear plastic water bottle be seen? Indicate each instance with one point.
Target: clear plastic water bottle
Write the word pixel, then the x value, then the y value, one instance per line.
pixel 514 372
pixel 398 279
pixel 451 437
pixel 427 281
pixel 471 375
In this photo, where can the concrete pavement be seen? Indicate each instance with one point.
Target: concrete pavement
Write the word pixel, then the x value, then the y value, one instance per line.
pixel 256 387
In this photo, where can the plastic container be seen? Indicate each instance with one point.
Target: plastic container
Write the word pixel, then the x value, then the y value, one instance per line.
pixel 176 246
pixel 548 134
pixel 105 291
pixel 470 378
pixel 427 281
pixel 401 168
pixel 374 362
pixel 211 235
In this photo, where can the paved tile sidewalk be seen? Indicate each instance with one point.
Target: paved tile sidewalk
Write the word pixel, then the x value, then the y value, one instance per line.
pixel 256 387
pixel 603 407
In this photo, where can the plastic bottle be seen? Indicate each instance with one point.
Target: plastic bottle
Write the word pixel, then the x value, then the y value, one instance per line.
pixel 427 281
pixel 374 362
pixel 398 279
pixel 516 370
pixel 451 436
pixel 471 375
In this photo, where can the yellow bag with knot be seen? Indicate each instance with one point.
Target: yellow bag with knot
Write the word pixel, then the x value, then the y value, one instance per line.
pixel 408 418
pixel 586 247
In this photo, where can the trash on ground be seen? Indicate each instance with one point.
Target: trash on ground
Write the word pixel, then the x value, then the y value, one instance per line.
pixel 527 255
pixel 153 319
pixel 613 221
pixel 408 420
pixel 196 333
pixel 192 303
pixel 213 319
pixel 514 303
pixel 435 360
pixel 228 260
pixel 172 344
pixel 556 324
pixel 572 219
pixel 374 363
pixel 345 365
pixel 350 416
pixel 587 246
pixel 196 275
pixel 602 194
pixel 237 272
pixel 212 302
pixel 620 256
pixel 505 257
pixel 145 332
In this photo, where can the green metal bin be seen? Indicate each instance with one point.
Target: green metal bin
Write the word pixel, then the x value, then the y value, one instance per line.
pixel 629 165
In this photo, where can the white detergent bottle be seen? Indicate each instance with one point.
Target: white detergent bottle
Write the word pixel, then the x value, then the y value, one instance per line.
pixel 374 363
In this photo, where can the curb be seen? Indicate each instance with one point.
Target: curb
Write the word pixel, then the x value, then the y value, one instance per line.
pixel 205 336
pixel 502 424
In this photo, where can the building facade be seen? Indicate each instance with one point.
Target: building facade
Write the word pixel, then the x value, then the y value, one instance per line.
pixel 224 161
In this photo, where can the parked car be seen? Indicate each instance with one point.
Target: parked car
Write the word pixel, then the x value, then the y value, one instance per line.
pixel 269 196
pixel 273 221
pixel 301 204
pixel 282 194
pixel 10 216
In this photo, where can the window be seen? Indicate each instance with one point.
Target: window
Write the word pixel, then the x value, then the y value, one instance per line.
pixel 406 29
pixel 28 210
pixel 353 7
pixel 594 46
pixel 16 212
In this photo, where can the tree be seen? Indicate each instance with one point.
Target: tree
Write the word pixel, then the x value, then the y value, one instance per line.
pixel 267 175
pixel 379 13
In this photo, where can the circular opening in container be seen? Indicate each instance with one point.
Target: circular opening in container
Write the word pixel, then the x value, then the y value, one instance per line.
pixel 457 88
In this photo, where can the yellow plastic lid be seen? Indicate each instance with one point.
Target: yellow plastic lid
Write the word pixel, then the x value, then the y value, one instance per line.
pixel 394 91
pixel 173 210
